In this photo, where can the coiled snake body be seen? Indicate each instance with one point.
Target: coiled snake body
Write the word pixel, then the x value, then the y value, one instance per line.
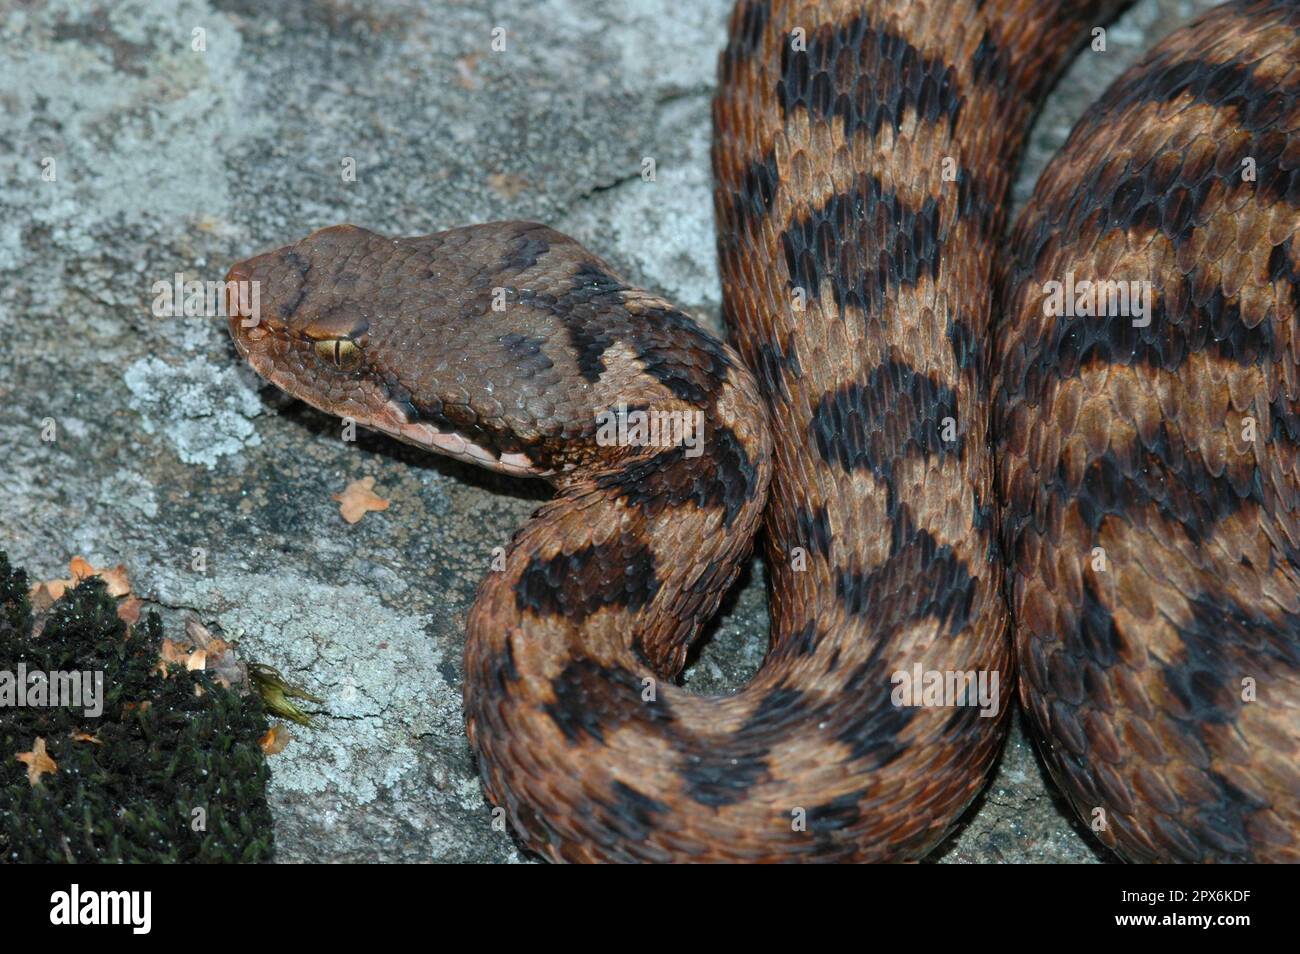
pixel 862 157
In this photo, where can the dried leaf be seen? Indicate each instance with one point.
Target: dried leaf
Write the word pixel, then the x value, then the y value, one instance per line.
pixel 172 654
pixel 220 660
pixel 38 762
pixel 199 634
pixel 118 584
pixel 228 670
pixel 275 740
pixel 358 498
pixel 128 611
pixel 41 598
pixel 43 594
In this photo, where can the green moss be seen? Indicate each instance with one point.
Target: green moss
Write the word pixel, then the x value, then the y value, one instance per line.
pixel 137 795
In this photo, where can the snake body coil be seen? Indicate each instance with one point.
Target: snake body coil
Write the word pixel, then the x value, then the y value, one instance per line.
pixel 862 156
pixel 1150 466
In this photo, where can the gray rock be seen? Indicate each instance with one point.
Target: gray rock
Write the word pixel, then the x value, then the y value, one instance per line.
pixel 182 151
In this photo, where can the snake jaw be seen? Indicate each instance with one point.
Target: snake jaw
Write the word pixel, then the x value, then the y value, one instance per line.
pixel 394 422
pixel 392 418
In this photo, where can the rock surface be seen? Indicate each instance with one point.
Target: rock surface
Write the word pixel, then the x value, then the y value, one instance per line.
pixel 185 135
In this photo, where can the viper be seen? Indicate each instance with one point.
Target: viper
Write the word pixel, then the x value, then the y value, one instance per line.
pixel 955 468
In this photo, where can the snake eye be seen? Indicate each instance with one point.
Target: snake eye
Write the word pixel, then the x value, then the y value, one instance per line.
pixel 344 352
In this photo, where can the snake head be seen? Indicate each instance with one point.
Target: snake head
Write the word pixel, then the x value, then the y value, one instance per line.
pixel 455 342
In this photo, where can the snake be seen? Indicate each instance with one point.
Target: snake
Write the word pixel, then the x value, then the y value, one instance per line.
pixel 960 468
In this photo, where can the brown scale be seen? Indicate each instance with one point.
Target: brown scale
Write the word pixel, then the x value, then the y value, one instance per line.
pixel 862 156
pixel 1153 534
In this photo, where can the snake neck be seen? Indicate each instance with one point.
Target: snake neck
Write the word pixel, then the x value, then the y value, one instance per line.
pixel 639 546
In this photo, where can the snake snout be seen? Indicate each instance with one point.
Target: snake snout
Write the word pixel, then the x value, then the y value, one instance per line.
pixel 239 310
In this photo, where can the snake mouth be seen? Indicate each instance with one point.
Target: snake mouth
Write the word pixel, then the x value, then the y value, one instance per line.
pixel 393 422
pixel 384 415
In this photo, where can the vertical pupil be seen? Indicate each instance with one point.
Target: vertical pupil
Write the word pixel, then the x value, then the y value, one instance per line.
pixel 338 352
